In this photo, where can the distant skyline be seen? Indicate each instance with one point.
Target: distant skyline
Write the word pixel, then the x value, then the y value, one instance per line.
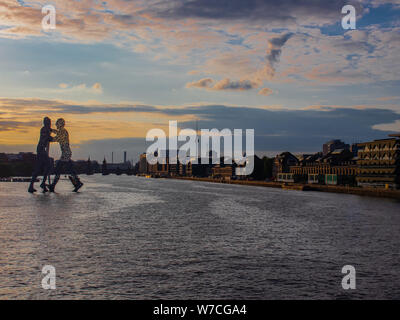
pixel 115 69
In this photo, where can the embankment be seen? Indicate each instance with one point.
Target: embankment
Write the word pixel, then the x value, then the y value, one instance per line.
pixel 370 192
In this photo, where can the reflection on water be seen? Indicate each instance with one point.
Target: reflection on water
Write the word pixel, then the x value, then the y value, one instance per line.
pixel 135 238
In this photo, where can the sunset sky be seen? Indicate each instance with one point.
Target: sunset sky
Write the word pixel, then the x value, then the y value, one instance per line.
pixel 115 69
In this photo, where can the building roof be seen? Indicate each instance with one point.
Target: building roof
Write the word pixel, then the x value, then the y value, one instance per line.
pixel 378 140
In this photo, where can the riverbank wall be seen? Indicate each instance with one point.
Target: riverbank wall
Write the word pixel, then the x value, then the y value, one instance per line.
pixel 370 192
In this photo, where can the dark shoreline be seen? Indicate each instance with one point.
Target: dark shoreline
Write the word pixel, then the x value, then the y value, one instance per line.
pixel 369 192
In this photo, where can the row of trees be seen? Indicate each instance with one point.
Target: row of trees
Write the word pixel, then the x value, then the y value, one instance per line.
pixel 262 168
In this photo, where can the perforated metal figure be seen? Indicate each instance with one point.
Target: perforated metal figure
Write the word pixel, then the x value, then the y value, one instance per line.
pixel 43 161
pixel 62 137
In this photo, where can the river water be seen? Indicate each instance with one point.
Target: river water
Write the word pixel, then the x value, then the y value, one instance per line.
pixel 137 238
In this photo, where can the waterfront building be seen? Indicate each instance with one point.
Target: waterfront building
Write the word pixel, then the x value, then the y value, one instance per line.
pixel 337 167
pixel 333 145
pixel 185 170
pixel 354 149
pixel 379 163
pixel 226 172
pixel 203 167
pixel 282 163
pixel 173 169
pixel 143 165
pixel 160 169
pixel 285 177
pixel 201 170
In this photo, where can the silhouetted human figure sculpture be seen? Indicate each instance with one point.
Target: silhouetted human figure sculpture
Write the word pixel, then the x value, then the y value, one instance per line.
pixel 62 137
pixel 43 161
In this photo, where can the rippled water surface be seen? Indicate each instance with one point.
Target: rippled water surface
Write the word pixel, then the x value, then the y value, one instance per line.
pixel 136 238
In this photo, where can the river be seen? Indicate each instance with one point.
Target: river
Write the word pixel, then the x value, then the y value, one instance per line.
pixel 136 238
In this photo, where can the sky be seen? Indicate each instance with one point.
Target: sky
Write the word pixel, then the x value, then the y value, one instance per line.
pixel 116 69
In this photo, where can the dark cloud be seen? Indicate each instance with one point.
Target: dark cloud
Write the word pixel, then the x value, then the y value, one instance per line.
pixel 9 125
pixel 43 106
pixel 276 130
pixel 275 47
pixel 77 109
pixel 280 41
pixel 293 130
pixel 297 130
pixel 225 84
pixel 239 85
pixel 251 10
pixel 201 84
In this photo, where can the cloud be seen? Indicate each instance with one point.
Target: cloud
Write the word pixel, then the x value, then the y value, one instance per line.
pixel 202 84
pixel 65 87
pixel 394 126
pixel 39 106
pixel 301 130
pixel 222 85
pixel 229 38
pixel 17 125
pixel 97 87
pixel 388 98
pixel 275 129
pixel 265 91
pixel 275 45
pixel 240 85
pixel 274 51
pixel 251 11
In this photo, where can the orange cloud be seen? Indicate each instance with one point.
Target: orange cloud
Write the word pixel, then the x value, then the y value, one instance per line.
pixel 265 91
